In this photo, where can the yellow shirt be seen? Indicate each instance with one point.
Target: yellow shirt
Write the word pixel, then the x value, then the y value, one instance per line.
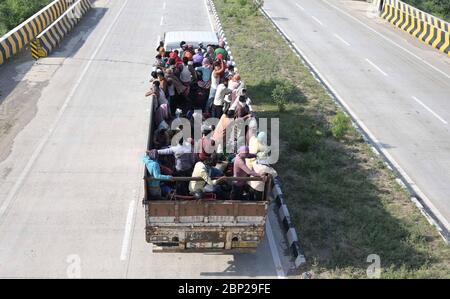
pixel 200 170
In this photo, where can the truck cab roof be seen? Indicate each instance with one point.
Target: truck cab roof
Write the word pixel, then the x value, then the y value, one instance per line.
pixel 172 39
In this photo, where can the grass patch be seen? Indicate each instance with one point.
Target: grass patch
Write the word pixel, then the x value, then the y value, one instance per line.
pixel 345 203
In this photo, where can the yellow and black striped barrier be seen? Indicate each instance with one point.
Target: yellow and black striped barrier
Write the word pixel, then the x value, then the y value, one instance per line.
pixel 429 29
pixel 51 37
pixel 16 39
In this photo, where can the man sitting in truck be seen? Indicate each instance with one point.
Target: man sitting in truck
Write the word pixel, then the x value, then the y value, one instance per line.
pixel 256 188
pixel 208 185
pixel 154 171
pixel 185 159
pixel 240 169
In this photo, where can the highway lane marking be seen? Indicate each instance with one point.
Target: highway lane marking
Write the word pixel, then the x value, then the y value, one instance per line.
pixel 388 39
pixel 127 233
pixel 164 5
pixel 162 20
pixel 46 137
pixel 377 67
pixel 299 6
pixel 429 110
pixel 317 20
pixel 274 250
pixel 342 40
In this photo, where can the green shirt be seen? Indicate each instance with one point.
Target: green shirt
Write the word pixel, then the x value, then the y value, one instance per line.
pixel 223 52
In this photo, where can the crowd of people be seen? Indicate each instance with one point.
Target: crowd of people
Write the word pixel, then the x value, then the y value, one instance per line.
pixel 187 80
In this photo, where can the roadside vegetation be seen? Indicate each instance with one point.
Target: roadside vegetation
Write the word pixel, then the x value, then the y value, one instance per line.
pixel 438 8
pixel 344 201
pixel 14 12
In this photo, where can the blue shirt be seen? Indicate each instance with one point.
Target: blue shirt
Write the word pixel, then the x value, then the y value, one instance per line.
pixel 155 171
pixel 206 73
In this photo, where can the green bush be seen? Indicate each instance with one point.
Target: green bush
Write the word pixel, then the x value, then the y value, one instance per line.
pixel 282 94
pixel 14 12
pixel 243 2
pixel 340 125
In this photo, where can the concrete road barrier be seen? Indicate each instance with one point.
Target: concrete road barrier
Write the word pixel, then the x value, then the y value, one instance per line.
pixel 51 37
pixel 16 39
pixel 429 29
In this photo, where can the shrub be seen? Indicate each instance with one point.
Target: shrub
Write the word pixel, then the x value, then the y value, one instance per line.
pixel 340 125
pixel 243 2
pixel 281 95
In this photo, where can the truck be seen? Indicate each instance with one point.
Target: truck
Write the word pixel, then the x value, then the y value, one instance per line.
pixel 203 224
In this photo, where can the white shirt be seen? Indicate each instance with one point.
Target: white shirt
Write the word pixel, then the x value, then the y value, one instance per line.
pixel 221 92
pixel 236 102
pixel 261 169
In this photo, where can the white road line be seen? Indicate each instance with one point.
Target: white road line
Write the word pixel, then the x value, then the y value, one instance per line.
pixel 46 137
pixel 127 233
pixel 388 39
pixel 377 67
pixel 429 110
pixel 342 40
pixel 164 5
pixel 299 6
pixel 274 250
pixel 162 20
pixel 317 20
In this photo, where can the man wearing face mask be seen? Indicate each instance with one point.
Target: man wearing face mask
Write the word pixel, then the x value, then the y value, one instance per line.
pixel 240 169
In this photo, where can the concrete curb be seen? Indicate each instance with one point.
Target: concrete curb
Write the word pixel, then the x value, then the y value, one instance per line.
pixel 416 196
pixel 288 226
pixel 283 212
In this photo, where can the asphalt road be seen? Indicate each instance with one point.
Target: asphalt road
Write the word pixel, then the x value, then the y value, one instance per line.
pixel 398 87
pixel 71 176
